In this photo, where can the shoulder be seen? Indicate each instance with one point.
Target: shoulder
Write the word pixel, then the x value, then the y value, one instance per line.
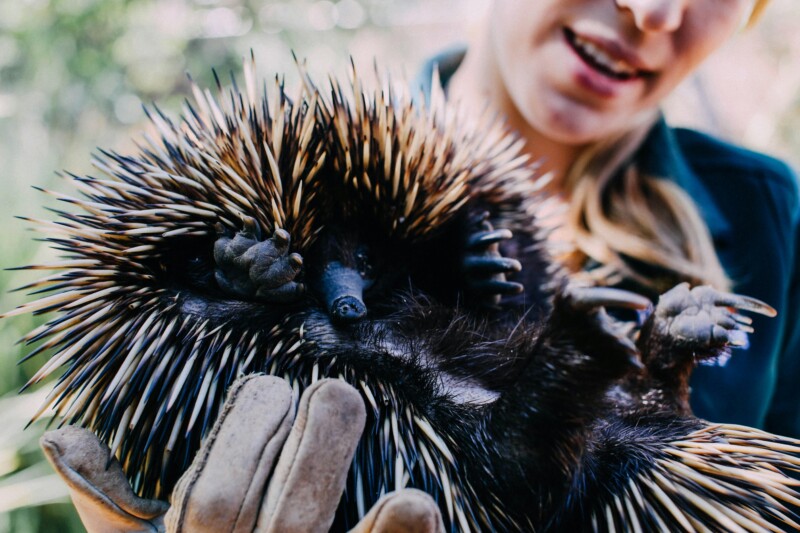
pixel 721 163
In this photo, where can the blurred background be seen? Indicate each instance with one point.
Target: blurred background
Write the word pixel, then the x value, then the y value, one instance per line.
pixel 74 75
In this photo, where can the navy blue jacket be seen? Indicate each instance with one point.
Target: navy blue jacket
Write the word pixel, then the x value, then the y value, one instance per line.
pixel 750 203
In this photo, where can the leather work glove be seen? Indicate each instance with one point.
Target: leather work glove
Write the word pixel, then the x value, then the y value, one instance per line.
pixel 261 468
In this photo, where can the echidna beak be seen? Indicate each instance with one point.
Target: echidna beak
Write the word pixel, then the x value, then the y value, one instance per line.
pixel 342 290
pixel 348 309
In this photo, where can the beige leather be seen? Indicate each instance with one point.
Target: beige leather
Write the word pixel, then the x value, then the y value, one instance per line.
pixel 404 511
pixel 223 488
pixel 310 476
pixel 261 468
pixel 102 496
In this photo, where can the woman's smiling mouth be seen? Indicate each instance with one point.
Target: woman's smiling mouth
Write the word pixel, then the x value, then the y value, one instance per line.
pixel 607 57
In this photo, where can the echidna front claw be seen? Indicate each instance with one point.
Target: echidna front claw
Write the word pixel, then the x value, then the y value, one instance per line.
pixel 252 228
pixel 263 270
pixel 484 268
pixel 287 293
pixel 483 239
pixel 593 297
pixel 491 265
pixel 495 287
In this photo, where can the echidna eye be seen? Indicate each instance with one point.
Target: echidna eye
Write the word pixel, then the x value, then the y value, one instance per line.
pixel 191 265
pixel 198 266
pixel 363 262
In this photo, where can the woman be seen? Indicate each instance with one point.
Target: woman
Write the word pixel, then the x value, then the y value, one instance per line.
pixel 649 206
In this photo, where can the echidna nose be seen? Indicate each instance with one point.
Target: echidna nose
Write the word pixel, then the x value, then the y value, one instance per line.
pixel 342 289
pixel 348 309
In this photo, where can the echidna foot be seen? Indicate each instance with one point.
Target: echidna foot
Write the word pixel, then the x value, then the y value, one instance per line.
pixel 704 320
pixel 582 309
pixel 251 268
pixel 484 268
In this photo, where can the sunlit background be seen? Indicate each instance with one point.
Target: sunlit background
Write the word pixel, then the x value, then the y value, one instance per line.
pixel 74 75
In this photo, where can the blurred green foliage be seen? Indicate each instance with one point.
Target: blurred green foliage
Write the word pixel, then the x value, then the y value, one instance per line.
pixel 73 77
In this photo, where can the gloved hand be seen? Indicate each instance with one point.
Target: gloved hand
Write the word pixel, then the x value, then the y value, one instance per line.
pixel 232 485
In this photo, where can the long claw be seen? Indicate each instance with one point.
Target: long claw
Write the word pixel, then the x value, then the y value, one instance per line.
pixel 489 265
pixel 286 293
pixel 746 303
pixel 633 355
pixel 723 318
pixel 252 228
pixel 221 230
pixel 281 237
pixel 737 338
pixel 296 260
pixel 486 238
pixel 592 297
pixel 281 271
pixel 494 286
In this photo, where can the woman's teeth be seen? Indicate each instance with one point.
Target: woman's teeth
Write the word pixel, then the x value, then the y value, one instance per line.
pixel 617 67
pixel 599 59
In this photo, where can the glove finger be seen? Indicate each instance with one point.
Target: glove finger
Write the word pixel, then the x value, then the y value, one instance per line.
pixel 311 473
pixel 404 511
pixel 101 493
pixel 224 486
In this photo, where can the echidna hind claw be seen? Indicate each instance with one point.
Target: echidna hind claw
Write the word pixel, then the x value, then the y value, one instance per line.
pixel 704 319
pixel 682 299
pixel 584 307
pixel 588 298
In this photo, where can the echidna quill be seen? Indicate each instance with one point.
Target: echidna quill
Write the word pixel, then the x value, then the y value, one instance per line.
pixel 316 236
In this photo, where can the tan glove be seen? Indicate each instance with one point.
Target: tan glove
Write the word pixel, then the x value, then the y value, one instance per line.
pixel 231 485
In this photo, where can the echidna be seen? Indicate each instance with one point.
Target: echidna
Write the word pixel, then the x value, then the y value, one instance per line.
pixel 169 291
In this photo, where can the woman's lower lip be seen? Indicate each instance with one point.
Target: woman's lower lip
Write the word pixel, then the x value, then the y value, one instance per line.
pixel 595 82
pixel 588 77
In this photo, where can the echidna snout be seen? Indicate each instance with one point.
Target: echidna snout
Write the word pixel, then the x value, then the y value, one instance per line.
pixel 342 289
pixel 342 270
pixel 348 309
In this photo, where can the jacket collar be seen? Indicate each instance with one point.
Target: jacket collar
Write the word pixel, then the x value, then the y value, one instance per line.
pixel 446 62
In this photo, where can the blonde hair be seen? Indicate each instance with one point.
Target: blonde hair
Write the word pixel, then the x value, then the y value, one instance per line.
pixel 636 226
pixel 629 222
pixel 758 10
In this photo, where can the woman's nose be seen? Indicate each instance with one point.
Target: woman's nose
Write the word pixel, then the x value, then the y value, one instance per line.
pixel 655 15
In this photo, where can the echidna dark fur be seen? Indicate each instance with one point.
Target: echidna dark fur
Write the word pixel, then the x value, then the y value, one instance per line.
pixel 502 418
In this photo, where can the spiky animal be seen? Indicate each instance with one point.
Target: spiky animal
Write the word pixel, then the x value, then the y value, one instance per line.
pixel 169 292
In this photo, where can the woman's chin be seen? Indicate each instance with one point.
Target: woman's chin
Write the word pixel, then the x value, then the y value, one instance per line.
pixel 574 124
